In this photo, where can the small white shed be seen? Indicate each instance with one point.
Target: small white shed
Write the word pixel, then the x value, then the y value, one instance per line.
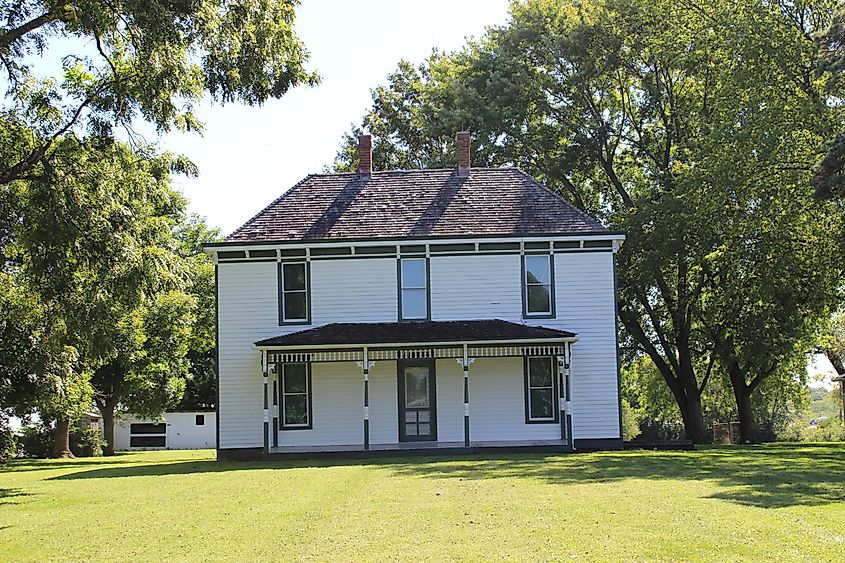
pixel 173 431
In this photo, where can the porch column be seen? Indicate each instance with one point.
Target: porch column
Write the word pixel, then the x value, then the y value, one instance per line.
pixel 567 389
pixel 264 370
pixel 466 361
pixel 366 365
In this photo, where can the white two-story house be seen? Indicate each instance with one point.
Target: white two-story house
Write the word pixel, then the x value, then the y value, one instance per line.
pixel 451 310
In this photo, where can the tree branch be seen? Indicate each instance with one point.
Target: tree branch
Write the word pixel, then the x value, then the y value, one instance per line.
pixel 15 34
pixel 707 373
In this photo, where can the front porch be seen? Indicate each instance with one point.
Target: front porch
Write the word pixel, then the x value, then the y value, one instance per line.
pixel 395 389
pixel 417 449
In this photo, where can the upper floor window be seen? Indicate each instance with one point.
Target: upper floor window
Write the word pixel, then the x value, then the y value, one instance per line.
pixel 293 293
pixel 413 289
pixel 537 290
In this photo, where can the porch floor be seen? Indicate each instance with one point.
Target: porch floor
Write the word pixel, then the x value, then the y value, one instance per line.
pixel 416 448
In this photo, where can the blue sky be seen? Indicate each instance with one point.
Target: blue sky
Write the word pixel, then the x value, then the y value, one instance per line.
pixel 248 156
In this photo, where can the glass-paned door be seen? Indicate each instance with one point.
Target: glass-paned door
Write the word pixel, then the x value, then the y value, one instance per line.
pixel 417 411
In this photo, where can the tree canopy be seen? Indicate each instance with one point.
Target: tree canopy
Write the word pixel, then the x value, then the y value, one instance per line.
pixel 692 127
pixel 104 293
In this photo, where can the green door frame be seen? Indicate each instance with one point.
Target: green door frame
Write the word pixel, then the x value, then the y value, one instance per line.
pixel 432 399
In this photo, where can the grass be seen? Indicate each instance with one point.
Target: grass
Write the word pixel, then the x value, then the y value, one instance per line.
pixel 777 502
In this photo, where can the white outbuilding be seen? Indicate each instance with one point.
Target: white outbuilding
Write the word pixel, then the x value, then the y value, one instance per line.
pixel 173 431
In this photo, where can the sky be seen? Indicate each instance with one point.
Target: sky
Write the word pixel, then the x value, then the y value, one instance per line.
pixel 248 156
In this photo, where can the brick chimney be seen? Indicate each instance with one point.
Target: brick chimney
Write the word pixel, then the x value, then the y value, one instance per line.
pixel 463 141
pixel 365 155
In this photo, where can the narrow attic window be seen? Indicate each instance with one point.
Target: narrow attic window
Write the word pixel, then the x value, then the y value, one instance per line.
pixel 294 282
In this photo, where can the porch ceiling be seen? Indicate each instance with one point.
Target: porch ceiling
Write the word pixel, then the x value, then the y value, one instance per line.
pixel 416 333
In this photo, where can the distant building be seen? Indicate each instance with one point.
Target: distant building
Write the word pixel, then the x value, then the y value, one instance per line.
pixel 173 431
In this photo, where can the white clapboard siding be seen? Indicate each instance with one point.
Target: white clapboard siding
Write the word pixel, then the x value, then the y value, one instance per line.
pixel 354 291
pixel 461 288
pixel 483 287
pixel 449 378
pixel 337 407
pixel 384 405
pixel 475 287
pixel 248 311
pixel 497 403
pixel 586 306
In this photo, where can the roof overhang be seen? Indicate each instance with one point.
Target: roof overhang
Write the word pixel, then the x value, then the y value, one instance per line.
pixel 618 236
pixel 418 344
pixel 345 336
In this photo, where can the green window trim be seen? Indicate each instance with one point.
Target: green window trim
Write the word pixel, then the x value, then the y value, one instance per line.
pixel 295 397
pixel 294 294
pixel 530 282
pixel 540 394
pixel 410 288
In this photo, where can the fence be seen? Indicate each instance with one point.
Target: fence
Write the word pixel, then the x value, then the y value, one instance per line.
pixel 726 432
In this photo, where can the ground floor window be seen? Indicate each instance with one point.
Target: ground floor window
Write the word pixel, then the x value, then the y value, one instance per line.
pixel 540 396
pixel 296 396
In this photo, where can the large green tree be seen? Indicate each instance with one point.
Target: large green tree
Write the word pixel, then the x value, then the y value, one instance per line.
pixel 88 225
pixel 125 60
pixel 693 127
pixel 95 245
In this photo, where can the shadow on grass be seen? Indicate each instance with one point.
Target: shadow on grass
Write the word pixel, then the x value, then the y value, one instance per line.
pixel 12 496
pixel 40 464
pixel 771 476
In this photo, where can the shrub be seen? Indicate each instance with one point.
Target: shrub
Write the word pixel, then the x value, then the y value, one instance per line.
pixel 86 442
pixel 8 439
pixel 36 440
pixel 8 445
pixel 630 423
pixel 827 430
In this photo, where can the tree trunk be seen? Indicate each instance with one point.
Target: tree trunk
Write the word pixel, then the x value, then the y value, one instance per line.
pixel 742 394
pixel 681 382
pixel 107 411
pixel 694 424
pixel 61 440
pixel 747 430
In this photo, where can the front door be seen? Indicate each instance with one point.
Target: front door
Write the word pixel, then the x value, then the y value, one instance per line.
pixel 417 404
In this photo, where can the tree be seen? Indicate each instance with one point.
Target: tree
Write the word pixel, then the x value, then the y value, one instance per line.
pixel 646 114
pixel 128 60
pixel 201 385
pixel 93 242
pixel 833 342
pixel 86 222
pixel 829 177
pixel 146 373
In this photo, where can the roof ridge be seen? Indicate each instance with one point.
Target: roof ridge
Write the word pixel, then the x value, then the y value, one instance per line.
pixel 285 194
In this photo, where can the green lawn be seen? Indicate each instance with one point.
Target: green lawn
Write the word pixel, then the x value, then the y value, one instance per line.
pixel 758 503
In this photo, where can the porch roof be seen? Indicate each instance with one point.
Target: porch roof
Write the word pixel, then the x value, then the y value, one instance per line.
pixel 416 333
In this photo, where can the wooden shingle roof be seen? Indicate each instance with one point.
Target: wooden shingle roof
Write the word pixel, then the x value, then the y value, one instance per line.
pixel 413 204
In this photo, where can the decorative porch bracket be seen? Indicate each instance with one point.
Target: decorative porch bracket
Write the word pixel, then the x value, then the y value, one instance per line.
pixel 366 365
pixel 466 361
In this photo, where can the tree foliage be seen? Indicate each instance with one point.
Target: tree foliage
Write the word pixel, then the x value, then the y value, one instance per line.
pixel 103 292
pixel 692 127
pixel 127 60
